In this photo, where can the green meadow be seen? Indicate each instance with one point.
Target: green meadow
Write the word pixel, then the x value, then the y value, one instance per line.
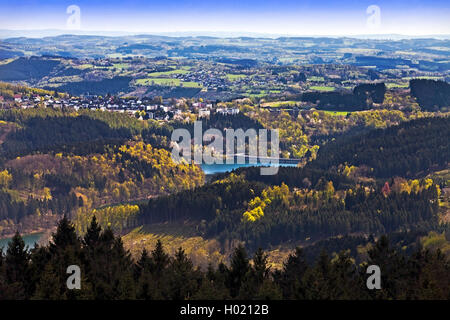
pixel 322 88
pixel 337 113
pixel 234 77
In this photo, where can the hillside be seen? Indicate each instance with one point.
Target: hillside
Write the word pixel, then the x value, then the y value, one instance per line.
pixel 409 149
pixel 62 162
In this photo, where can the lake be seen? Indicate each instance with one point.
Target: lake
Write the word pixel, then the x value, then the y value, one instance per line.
pixel 29 240
pixel 221 168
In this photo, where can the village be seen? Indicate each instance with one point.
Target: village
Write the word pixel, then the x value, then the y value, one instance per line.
pixel 143 109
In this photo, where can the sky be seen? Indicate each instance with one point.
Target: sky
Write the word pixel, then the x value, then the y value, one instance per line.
pixel 291 17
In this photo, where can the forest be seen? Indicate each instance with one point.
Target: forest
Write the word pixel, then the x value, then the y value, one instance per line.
pixel 103 87
pixel 406 150
pixel 109 273
pixel 374 182
pixel 361 98
pixel 57 162
pixel 432 95
pixel 27 69
pixel 277 214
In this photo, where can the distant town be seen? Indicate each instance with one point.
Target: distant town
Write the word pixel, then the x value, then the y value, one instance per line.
pixel 144 109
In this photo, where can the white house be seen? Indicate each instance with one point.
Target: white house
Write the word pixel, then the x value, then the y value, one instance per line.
pixel 203 113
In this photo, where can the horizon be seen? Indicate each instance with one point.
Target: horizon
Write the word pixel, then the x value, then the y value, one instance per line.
pixel 43 33
pixel 327 18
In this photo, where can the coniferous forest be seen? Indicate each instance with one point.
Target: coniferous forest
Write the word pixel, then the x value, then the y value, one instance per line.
pixel 108 272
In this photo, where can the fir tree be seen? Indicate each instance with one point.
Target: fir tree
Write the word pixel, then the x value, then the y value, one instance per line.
pixel 16 264
pixel 238 270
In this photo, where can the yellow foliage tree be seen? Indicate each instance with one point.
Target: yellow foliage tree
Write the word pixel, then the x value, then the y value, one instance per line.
pixel 5 178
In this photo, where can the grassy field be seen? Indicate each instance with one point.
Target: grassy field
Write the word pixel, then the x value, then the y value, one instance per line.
pixel 277 104
pixel 336 113
pixel 316 79
pixel 322 88
pixel 234 77
pixel 262 94
pixel 84 66
pixel 396 85
pixel 120 65
pixel 423 77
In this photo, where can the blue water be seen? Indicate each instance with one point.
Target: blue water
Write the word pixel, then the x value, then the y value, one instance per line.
pixel 220 168
pixel 30 240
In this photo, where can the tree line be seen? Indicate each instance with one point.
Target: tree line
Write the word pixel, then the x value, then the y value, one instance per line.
pixel 108 272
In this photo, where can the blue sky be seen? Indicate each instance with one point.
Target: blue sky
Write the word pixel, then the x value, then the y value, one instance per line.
pixel 330 17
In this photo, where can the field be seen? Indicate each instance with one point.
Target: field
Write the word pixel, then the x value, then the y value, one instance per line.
pixel 85 66
pixel 277 104
pixel 120 65
pixel 316 79
pixel 337 113
pixel 234 77
pixel 391 85
pixel 322 88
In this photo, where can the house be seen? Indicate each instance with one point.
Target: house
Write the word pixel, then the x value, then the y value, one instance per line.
pixel 203 113
pixel 198 105
pixel 153 107
pixel 233 111
pixel 166 109
pixel 227 111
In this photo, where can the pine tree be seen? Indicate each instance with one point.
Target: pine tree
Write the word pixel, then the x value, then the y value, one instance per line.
pixel 260 268
pixel 144 264
pixel 183 280
pixel 16 266
pixel 65 236
pixel 318 281
pixel 269 290
pixel 160 259
pixel 238 270
pixel 146 287
pixel 392 267
pixel 255 277
pixel 49 286
pixel 92 236
pixel 40 257
pixel 346 283
pixel 294 269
